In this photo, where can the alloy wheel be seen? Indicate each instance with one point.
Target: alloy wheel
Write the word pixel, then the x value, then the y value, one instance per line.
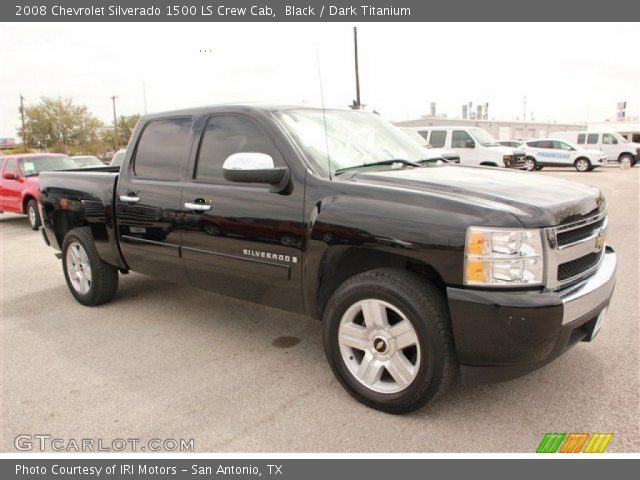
pixel 78 268
pixel 379 346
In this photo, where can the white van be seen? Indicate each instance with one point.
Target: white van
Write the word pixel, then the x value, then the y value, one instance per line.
pixel 474 145
pixel 614 145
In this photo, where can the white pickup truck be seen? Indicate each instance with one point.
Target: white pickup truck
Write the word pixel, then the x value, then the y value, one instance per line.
pixel 474 145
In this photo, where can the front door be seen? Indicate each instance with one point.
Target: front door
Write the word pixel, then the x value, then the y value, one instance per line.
pixel 241 239
pixel 10 191
pixel 610 146
pixel 148 199
pixel 465 146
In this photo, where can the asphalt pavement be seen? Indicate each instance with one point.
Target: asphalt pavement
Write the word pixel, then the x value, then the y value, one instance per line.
pixel 168 361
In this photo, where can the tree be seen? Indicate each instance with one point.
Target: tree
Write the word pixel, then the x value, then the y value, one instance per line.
pixel 58 124
pixel 125 128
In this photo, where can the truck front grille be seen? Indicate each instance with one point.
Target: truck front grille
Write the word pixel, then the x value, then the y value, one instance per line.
pixel 578 266
pixel 572 236
pixel 573 250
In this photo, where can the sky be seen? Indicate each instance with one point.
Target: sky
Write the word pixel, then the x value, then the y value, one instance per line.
pixel 568 72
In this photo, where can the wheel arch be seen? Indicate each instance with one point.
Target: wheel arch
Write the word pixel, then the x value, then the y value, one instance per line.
pixel 341 263
pixel 25 201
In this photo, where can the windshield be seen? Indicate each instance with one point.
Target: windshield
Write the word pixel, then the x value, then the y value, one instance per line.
pixel 483 137
pixel 352 138
pixel 87 161
pixel 413 134
pixel 117 159
pixel 34 165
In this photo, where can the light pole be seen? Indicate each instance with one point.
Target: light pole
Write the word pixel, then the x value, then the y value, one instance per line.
pixel 115 123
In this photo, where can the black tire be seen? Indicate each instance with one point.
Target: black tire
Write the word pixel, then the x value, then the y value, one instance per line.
pixel 104 276
pixel 582 164
pixel 426 309
pixel 33 215
pixel 539 167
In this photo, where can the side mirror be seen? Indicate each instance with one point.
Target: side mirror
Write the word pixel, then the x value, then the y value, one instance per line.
pixel 253 167
pixel 470 144
pixel 9 176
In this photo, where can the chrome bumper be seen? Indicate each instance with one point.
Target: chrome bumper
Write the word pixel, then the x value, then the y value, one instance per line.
pixel 584 298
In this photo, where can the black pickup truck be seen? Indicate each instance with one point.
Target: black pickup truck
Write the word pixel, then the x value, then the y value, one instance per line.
pixel 417 268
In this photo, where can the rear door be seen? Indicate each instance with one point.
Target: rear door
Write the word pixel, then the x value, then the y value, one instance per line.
pixel 248 241
pixel 148 198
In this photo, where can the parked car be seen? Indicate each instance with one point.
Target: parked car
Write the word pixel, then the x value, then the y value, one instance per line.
pixel 615 146
pixel 118 157
pixel 431 152
pixel 559 153
pixel 474 145
pixel 510 143
pixel 87 161
pixel 19 182
pixel 415 269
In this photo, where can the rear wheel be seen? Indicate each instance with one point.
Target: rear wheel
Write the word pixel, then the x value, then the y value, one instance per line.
pixel 582 165
pixel 33 214
pixel 90 280
pixel 387 339
pixel 530 164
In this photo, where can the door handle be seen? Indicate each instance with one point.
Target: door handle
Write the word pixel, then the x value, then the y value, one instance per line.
pixel 129 199
pixel 197 207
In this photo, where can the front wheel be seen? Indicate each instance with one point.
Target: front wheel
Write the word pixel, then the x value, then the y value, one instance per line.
pixel 628 158
pixel 388 341
pixel 530 164
pixel 33 214
pixel 582 165
pixel 90 280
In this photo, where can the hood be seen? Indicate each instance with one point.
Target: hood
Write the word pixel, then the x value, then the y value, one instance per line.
pixel 505 150
pixel 536 200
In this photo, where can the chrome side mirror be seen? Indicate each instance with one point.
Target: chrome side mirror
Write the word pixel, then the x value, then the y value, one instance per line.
pixel 253 167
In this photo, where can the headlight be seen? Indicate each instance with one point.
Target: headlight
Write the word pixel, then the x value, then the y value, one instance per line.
pixel 503 257
pixel 506 159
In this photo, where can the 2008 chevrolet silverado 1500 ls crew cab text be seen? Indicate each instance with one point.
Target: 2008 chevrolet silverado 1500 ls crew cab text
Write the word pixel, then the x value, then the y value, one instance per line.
pixel 416 267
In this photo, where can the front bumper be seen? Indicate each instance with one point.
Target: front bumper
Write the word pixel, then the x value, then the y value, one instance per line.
pixel 500 335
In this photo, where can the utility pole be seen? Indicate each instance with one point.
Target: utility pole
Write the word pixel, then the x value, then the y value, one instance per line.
pixel 356 105
pixel 144 96
pixel 115 123
pixel 524 113
pixel 24 135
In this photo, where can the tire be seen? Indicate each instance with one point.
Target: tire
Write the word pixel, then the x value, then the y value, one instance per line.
pixel 632 162
pixel 539 167
pixel 582 165
pixel 530 164
pixel 33 214
pixel 428 362
pixel 79 254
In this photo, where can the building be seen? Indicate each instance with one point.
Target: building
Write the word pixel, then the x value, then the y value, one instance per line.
pixel 500 129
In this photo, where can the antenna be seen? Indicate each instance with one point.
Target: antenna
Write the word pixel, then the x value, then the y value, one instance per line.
pixel 324 115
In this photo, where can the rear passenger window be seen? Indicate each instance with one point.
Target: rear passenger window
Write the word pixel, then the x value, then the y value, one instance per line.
pixel 162 149
pixel 581 138
pixel 545 144
pixel 592 138
pixel 226 135
pixel 438 138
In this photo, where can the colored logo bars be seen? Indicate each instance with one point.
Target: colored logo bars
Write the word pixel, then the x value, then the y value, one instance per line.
pixel 574 443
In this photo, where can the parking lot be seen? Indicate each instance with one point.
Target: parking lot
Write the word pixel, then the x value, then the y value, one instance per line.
pixel 168 361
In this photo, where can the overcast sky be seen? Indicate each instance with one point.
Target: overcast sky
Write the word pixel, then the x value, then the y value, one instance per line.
pixel 568 72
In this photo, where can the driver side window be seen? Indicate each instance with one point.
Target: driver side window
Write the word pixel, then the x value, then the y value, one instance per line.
pixel 608 139
pixel 225 135
pixel 461 139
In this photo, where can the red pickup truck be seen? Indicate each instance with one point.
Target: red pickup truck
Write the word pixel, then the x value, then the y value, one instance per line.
pixel 19 181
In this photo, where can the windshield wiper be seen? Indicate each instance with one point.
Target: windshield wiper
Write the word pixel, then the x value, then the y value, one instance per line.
pixel 381 162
